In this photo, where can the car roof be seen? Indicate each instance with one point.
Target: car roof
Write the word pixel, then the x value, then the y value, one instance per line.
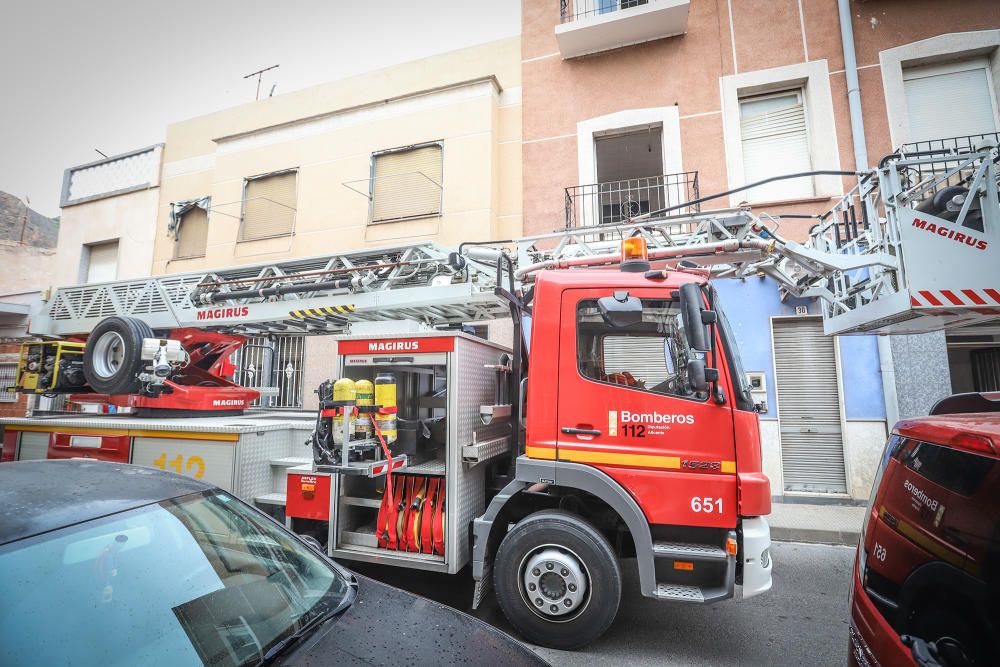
pixel 39 496
pixel 943 429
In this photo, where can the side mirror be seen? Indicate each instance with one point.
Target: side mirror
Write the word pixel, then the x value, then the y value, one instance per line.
pixel 620 310
pixel 313 542
pixel 696 374
pixel 692 306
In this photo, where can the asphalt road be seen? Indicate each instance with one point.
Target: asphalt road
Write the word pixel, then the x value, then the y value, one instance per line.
pixel 802 620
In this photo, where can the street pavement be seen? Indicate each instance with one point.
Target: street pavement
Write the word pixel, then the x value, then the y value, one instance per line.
pixel 802 620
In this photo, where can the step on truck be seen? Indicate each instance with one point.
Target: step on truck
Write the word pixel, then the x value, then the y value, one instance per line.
pixel 619 423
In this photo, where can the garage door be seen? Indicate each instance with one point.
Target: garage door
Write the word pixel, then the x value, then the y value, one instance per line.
pixel 812 447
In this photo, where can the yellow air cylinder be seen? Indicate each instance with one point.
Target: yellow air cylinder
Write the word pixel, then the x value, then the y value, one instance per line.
pixel 366 396
pixel 385 397
pixel 344 389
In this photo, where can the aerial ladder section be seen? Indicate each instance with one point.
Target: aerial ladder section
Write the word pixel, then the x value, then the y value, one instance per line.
pixel 911 248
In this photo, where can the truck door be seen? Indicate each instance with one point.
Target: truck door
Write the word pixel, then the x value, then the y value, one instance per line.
pixel 625 406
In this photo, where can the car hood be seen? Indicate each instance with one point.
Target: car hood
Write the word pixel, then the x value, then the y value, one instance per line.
pixel 388 626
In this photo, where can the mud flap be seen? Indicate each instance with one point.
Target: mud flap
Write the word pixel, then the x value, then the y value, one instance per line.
pixel 483 586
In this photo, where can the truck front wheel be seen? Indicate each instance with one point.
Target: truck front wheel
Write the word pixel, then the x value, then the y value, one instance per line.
pixel 557 580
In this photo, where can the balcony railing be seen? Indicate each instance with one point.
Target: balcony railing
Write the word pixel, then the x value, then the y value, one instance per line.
pixel 572 10
pixel 618 201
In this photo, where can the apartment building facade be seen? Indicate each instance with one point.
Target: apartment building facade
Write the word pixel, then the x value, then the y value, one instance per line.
pixel 425 150
pixel 630 106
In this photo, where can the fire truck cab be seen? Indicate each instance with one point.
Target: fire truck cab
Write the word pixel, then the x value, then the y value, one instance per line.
pixel 641 439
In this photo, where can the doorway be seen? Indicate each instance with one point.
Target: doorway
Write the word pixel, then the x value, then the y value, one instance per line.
pixel 629 173
pixel 809 413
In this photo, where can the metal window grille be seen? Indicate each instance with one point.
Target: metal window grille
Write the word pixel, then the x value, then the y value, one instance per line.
pixel 268 206
pixel 852 218
pixel 572 10
pixel 275 365
pixel 617 201
pixel 8 376
pixel 941 148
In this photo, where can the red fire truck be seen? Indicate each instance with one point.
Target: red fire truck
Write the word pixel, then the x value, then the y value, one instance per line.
pixel 618 423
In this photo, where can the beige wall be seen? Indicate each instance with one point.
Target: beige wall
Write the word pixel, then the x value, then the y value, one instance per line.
pixel 686 72
pixel 127 218
pixel 24 268
pixel 468 100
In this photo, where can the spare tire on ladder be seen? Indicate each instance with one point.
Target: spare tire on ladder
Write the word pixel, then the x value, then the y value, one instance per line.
pixel 112 359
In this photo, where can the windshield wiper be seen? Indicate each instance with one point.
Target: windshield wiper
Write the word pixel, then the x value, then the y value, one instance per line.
pixel 306 630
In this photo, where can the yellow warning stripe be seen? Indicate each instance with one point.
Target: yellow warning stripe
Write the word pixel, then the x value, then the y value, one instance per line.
pixel 548 453
pixel 136 433
pixel 612 458
pixel 921 538
pixel 321 313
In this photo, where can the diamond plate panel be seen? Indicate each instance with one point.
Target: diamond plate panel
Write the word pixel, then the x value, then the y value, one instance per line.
pixel 692 550
pixel 255 451
pixel 470 385
pixel 679 592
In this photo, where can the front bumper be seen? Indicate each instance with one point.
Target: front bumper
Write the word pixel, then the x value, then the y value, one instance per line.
pixel 756 555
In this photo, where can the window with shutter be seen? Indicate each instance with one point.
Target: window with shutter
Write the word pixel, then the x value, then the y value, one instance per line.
pixel 946 101
pixel 406 184
pixel 269 206
pixel 775 142
pixel 102 262
pixel 192 233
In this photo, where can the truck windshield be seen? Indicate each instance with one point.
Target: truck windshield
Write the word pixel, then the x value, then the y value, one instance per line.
pixel 196 580
pixel 744 399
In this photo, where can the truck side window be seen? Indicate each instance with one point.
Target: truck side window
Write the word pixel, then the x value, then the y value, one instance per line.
pixel 650 356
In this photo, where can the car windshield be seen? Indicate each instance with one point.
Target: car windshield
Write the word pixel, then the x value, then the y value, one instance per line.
pixel 198 579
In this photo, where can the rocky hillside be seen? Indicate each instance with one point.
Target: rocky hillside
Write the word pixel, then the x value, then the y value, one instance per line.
pixel 20 223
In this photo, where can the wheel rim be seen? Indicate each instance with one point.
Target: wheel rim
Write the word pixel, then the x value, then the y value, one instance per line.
pixel 554 583
pixel 109 354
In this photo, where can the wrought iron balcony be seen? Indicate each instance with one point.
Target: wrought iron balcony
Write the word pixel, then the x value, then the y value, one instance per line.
pixel 617 201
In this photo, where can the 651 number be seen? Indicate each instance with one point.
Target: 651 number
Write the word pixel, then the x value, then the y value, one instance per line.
pixel 706 505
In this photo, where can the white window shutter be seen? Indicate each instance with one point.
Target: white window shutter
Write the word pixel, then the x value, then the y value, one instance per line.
pixel 775 142
pixel 102 264
pixel 942 104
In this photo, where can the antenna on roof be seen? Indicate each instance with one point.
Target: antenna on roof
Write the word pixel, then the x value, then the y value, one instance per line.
pixel 259 73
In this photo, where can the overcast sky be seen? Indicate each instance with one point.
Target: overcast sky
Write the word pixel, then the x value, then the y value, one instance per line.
pixel 111 74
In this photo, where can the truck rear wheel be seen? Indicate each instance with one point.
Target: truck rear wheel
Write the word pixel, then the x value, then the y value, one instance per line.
pixel 557 580
pixel 113 356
